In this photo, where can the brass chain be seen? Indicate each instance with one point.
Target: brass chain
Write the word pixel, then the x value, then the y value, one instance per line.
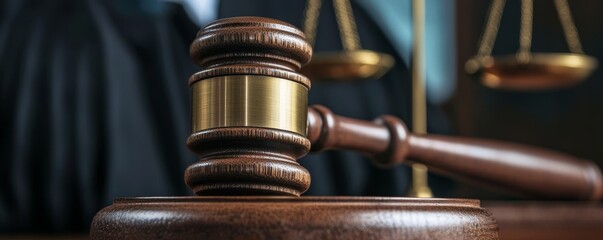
pixel 525 30
pixel 311 15
pixel 491 30
pixel 347 25
pixel 569 28
pixel 345 22
pixel 525 35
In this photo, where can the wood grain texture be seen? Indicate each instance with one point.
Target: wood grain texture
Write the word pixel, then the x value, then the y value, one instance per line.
pixel 293 218
pixel 548 220
pixel 249 69
pixel 250 46
pixel 247 161
pixel 262 46
pixel 514 167
pixel 252 160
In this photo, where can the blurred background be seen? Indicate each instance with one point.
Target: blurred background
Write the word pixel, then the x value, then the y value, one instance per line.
pixel 94 102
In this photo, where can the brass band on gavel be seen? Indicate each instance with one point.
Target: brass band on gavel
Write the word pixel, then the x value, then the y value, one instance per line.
pixel 249 77
pixel 249 109
pixel 249 101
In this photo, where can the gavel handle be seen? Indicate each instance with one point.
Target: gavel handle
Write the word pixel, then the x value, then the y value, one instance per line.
pixel 514 167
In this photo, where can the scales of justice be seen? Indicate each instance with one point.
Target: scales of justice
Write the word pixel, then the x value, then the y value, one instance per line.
pixel 251 122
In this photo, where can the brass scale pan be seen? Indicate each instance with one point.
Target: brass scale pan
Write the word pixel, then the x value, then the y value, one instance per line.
pixel 528 71
pixel 353 63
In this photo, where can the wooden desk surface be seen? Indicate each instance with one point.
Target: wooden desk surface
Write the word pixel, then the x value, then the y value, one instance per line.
pixel 516 221
pixel 79 236
pixel 548 220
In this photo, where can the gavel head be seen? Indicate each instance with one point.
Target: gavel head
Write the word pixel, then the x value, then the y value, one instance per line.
pixel 249 108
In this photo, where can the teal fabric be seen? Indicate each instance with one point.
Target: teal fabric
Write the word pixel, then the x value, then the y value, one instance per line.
pixel 395 20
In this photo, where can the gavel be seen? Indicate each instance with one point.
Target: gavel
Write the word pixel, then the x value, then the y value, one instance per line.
pixel 251 122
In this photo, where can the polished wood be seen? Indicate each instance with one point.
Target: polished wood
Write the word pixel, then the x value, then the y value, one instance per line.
pixel 293 218
pixel 514 167
pixel 257 160
pixel 44 237
pixel 256 153
pixel 261 159
pixel 248 161
pixel 250 46
pixel 548 220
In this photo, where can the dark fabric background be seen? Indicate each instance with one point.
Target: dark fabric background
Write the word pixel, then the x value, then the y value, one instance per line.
pixel 94 105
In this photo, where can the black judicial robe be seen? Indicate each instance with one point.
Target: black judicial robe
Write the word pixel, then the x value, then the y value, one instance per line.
pixel 94 105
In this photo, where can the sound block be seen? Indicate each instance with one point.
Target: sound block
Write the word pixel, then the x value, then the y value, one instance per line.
pixel 251 217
